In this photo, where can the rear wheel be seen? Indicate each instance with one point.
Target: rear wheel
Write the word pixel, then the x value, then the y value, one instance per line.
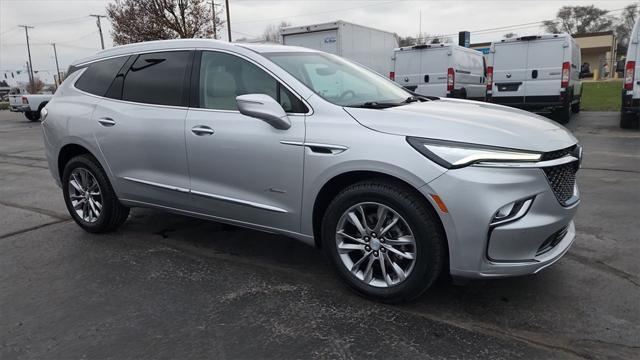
pixel 89 197
pixel 32 115
pixel 384 240
pixel 575 108
pixel 563 114
pixel 629 121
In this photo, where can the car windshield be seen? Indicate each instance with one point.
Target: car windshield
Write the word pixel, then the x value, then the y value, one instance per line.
pixel 339 81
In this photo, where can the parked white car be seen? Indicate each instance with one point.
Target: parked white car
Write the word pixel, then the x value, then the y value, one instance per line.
pixel 630 111
pixel 540 73
pixel 444 70
pixel 29 104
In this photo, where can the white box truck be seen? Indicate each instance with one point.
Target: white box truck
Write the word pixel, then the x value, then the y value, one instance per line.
pixel 444 70
pixel 630 111
pixel 367 46
pixel 540 73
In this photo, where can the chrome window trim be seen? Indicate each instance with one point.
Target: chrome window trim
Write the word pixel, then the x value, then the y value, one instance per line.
pixel 539 164
pixel 337 148
pixel 269 72
pixel 133 53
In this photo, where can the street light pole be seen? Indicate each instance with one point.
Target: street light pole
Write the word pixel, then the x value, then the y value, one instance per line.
pixel 99 28
pixel 30 68
pixel 228 20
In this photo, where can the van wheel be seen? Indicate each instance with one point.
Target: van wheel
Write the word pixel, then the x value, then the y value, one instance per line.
pixel 575 108
pixel 563 114
pixel 32 115
pixel 629 121
pixel 89 197
pixel 384 241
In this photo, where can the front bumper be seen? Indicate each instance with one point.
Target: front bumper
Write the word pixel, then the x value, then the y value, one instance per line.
pixel 479 250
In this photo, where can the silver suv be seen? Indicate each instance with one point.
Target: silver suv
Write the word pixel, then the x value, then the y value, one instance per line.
pixel 396 188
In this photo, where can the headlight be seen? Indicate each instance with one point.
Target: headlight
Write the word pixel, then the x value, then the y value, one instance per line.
pixel 452 155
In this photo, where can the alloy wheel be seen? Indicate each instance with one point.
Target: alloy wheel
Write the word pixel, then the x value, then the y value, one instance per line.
pixel 85 195
pixel 376 244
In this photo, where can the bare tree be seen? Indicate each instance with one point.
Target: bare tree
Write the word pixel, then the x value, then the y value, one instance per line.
pixel 144 20
pixel 272 32
pixel 625 26
pixel 34 87
pixel 579 20
pixel 407 41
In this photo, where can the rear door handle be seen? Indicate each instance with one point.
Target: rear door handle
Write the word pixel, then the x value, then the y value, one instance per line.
pixel 202 130
pixel 106 121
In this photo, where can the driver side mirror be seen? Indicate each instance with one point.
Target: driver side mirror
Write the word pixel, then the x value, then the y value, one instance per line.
pixel 265 108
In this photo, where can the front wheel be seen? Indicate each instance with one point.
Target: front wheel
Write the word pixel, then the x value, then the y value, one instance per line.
pixel 384 240
pixel 575 108
pixel 89 196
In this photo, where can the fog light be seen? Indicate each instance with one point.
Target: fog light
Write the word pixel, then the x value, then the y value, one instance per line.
pixel 511 211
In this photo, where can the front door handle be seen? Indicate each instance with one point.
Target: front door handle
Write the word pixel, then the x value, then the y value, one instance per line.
pixel 202 130
pixel 106 121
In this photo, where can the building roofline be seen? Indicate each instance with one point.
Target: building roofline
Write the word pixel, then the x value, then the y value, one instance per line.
pixel 600 33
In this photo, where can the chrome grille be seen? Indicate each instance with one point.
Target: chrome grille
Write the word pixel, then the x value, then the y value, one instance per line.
pixel 562 179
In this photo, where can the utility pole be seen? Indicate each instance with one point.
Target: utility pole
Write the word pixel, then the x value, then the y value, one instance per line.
pixel 99 28
pixel 30 68
pixel 228 20
pixel 213 19
pixel 55 54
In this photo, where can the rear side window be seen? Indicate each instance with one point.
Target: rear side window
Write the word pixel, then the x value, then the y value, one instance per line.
pixel 158 78
pixel 99 75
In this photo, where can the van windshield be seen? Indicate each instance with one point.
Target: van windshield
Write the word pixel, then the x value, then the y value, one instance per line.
pixel 339 81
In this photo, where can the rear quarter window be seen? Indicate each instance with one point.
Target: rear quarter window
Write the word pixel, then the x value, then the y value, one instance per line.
pixel 99 75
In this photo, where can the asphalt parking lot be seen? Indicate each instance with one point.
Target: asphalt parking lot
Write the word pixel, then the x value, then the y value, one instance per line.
pixel 167 286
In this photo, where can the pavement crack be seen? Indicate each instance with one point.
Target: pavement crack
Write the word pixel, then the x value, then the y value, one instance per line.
pixel 609 169
pixel 35 209
pixel 14 233
pixel 602 266
pixel 25 165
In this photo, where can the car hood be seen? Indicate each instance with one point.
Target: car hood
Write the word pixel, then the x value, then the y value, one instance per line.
pixel 468 121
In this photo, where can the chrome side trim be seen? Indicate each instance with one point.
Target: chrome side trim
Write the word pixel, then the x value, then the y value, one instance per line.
pixel 335 149
pixel 539 164
pixel 162 186
pixel 239 201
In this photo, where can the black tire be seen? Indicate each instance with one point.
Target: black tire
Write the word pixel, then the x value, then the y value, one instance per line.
pixel 629 121
pixel 430 242
pixel 575 108
pixel 113 213
pixel 563 114
pixel 32 115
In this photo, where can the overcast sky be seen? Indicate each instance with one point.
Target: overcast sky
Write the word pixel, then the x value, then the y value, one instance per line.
pixel 68 24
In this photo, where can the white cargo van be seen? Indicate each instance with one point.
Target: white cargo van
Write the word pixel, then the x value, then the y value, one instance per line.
pixel 540 73
pixel 629 116
pixel 370 47
pixel 441 70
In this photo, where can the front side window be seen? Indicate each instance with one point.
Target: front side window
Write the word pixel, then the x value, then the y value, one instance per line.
pixel 338 81
pixel 158 78
pixel 223 77
pixel 99 75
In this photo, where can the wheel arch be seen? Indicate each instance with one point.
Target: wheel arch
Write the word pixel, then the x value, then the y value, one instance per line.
pixel 333 186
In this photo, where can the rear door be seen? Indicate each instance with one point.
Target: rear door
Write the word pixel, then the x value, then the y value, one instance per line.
pixel 139 126
pixel 544 70
pixel 510 71
pixel 326 40
pixel 407 68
